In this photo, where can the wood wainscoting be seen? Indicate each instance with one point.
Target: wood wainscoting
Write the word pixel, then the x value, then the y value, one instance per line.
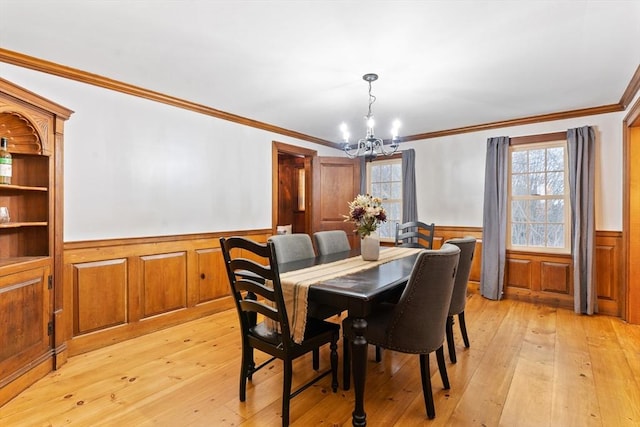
pixel 547 278
pixel 124 288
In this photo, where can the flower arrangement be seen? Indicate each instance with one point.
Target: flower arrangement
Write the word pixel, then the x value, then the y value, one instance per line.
pixel 367 213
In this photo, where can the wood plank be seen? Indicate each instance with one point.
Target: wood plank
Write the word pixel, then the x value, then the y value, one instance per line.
pixel 574 401
pixel 527 365
pixel 483 398
pixel 399 369
pixel 483 318
pixel 629 338
pixel 528 401
pixel 617 390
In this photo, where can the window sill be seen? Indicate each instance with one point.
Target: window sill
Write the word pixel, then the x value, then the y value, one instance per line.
pixel 539 252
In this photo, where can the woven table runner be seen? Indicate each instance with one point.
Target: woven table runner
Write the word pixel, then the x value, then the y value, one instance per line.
pixel 295 284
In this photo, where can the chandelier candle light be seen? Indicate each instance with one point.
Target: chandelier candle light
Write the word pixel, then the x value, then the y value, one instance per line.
pixel 370 146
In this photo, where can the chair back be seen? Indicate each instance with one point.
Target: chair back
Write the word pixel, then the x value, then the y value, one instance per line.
pixel 330 242
pixel 467 247
pixel 415 234
pixel 254 278
pixel 292 247
pixel 418 320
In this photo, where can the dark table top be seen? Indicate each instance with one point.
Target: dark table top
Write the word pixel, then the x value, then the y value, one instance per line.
pixel 356 292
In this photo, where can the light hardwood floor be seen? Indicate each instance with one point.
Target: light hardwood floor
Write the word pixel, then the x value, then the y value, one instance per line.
pixel 528 365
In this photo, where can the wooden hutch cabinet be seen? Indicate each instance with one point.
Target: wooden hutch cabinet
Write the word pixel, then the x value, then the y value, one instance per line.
pixel 31 242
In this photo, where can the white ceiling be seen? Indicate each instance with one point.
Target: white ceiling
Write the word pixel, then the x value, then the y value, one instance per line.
pixel 299 64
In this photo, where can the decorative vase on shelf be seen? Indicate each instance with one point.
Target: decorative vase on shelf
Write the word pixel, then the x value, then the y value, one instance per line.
pixel 370 247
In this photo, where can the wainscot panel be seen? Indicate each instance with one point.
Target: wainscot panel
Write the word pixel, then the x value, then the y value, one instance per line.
pixel 547 278
pixel 100 295
pixel 609 277
pixel 445 233
pixel 122 288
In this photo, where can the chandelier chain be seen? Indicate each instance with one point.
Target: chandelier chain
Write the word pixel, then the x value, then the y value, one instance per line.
pixel 372 99
pixel 370 146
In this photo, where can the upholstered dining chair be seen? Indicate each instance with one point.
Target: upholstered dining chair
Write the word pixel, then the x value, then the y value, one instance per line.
pixel 295 247
pixel 467 247
pixel 416 323
pixel 415 234
pixel 412 234
pixel 260 275
pixel 331 242
pixel 292 247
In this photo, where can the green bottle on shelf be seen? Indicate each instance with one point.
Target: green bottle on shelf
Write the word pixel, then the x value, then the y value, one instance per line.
pixel 5 161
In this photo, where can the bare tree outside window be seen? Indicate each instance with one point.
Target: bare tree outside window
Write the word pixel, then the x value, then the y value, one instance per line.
pixel 539 198
pixel 384 180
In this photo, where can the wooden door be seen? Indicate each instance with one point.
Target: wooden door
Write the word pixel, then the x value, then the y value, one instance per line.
pixel 336 181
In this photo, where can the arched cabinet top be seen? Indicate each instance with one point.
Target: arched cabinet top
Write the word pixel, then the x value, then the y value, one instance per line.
pixel 24 136
pixel 29 121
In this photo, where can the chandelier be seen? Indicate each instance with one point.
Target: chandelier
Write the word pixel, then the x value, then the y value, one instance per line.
pixel 370 146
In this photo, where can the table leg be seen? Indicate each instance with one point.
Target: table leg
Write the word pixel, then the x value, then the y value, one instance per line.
pixel 359 369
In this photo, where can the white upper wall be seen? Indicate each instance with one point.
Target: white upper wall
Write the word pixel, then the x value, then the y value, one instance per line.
pixel 136 168
pixel 450 171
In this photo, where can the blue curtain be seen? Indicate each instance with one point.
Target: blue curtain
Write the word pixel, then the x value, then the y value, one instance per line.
pixel 409 202
pixel 581 144
pixel 494 221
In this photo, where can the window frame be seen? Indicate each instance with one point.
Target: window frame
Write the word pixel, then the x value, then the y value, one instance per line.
pixel 534 142
pixel 395 159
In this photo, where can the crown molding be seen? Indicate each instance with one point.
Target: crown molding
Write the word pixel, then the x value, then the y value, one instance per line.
pixel 26 61
pixel 632 89
pixel 518 122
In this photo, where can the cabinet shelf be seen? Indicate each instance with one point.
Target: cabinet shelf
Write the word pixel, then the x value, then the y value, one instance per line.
pixel 22 187
pixel 23 224
pixel 15 261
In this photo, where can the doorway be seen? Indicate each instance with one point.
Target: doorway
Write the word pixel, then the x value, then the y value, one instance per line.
pixel 311 193
pixel 291 188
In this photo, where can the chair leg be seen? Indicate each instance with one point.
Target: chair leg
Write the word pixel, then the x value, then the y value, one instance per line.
pixel 243 384
pixel 246 370
pixel 442 367
pixel 450 343
pixel 346 363
pixel 334 363
pixel 427 393
pixel 316 359
pixel 251 364
pixel 463 329
pixel 378 353
pixel 286 391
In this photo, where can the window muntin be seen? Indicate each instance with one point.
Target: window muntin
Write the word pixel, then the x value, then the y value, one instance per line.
pixel 539 206
pixel 384 180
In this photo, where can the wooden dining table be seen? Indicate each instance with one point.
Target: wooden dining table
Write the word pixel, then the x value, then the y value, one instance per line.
pixel 358 293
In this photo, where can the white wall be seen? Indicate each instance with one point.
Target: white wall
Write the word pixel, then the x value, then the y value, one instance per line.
pixel 138 168
pixel 450 171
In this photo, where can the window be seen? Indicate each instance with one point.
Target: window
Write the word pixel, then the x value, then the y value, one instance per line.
pixel 538 198
pixel 384 180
